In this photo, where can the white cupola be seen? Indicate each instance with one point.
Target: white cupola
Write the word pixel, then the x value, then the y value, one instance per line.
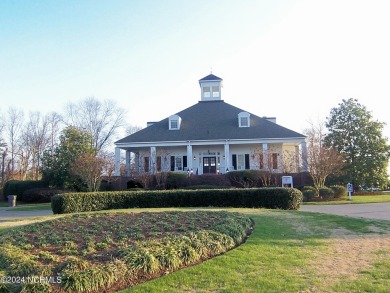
pixel 210 88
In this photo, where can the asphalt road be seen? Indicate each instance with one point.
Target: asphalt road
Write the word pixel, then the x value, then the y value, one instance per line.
pixel 9 214
pixel 379 211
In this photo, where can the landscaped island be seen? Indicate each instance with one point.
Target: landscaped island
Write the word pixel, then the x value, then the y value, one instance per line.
pixel 95 252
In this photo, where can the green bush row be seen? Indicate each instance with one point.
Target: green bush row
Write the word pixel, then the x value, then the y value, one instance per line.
pixel 17 187
pixel 324 193
pixel 273 198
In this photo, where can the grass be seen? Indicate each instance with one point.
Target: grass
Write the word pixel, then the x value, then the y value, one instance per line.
pixel 279 257
pixel 287 252
pixel 31 207
pixel 356 199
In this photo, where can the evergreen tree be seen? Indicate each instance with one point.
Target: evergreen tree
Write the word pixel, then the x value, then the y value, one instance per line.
pixel 354 133
pixel 57 163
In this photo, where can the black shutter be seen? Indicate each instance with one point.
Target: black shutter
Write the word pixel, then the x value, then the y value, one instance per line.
pixel 172 163
pixel 234 161
pixel 246 161
pixel 184 162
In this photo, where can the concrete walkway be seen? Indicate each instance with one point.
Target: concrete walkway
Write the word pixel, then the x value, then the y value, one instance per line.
pixel 9 214
pixel 379 211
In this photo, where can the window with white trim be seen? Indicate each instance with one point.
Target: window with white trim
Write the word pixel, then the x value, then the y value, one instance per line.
pixel 215 90
pixel 206 92
pixel 240 162
pixel 244 119
pixel 174 122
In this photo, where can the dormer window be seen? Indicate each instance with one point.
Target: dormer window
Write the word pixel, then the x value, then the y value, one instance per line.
pixel 244 119
pixel 174 122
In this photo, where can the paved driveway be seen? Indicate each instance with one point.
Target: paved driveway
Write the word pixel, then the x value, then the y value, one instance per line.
pixel 8 214
pixel 380 211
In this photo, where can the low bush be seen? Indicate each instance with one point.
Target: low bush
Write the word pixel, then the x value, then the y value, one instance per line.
pixel 177 180
pixel 339 191
pixel 273 198
pixel 326 193
pixel 245 178
pixel 309 192
pixel 195 187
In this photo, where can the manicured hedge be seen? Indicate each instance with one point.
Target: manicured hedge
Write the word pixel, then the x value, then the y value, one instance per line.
pixel 273 198
pixel 17 187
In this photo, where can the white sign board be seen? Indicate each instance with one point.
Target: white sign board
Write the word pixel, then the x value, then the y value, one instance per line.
pixel 350 190
pixel 287 181
pixel 349 187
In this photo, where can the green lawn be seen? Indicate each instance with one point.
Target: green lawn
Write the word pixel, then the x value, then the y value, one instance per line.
pixel 289 251
pixel 355 199
pixel 280 256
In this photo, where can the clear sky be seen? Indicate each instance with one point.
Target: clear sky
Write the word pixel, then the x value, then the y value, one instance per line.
pixel 293 60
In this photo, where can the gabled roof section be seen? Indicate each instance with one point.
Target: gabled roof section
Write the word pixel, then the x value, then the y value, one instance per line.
pixel 211 120
pixel 210 77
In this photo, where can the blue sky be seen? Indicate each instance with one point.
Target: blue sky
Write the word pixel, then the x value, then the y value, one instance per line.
pixel 293 60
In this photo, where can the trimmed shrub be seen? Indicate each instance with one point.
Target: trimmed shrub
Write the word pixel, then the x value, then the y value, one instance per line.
pixel 40 194
pixel 177 180
pixel 326 193
pixel 339 191
pixel 196 187
pixel 309 192
pixel 245 178
pixel 17 187
pixel 273 198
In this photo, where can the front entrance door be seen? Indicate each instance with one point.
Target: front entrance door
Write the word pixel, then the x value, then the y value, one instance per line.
pixel 209 165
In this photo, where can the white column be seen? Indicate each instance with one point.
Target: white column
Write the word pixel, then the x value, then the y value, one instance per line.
pixel 227 157
pixel 128 163
pixel 265 156
pixel 189 156
pixel 117 161
pixel 304 156
pixel 152 163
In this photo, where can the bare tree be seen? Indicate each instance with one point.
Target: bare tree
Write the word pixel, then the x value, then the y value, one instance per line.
pixel 101 119
pixel 89 167
pixel 54 121
pixel 321 160
pixel 37 140
pixel 267 164
pixel 130 129
pixel 13 131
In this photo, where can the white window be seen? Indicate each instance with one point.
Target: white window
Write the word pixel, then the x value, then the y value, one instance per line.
pixel 240 162
pixel 179 163
pixel 215 91
pixel 244 119
pixel 206 92
pixel 174 124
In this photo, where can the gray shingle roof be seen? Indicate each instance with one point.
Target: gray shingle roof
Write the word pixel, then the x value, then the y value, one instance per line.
pixel 209 120
pixel 210 77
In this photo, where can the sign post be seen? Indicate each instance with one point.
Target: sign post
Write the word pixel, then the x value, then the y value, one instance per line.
pixel 350 190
